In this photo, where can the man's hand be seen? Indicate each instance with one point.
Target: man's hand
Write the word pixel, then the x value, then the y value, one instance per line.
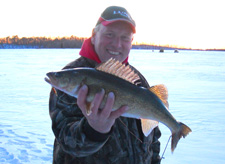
pixel 100 120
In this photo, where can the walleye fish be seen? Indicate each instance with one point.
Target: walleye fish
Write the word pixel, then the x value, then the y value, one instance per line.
pixel 150 105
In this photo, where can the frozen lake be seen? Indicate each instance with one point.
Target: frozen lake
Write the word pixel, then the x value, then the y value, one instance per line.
pixel 195 81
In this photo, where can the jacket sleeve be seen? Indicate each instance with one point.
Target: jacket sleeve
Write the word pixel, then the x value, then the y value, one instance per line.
pixel 156 146
pixel 70 127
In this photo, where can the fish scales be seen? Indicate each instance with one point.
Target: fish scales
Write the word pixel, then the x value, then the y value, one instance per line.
pixel 148 104
pixel 138 97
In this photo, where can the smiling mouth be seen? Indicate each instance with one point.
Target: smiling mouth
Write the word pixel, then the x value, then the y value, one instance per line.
pixel 114 52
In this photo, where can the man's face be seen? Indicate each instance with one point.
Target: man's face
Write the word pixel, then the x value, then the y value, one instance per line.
pixel 113 40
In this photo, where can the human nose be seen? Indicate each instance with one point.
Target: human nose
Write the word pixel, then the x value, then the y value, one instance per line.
pixel 117 42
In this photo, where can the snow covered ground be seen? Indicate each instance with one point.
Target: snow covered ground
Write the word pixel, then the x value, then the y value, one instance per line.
pixel 195 80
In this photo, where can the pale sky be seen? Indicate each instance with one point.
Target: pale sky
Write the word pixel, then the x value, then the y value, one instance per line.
pixel 189 23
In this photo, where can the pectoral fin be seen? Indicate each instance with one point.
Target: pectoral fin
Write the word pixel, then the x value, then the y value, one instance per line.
pixel 148 125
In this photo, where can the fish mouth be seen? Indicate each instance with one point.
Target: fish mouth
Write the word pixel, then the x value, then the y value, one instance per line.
pixel 48 80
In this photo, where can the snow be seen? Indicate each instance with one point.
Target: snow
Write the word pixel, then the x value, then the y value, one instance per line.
pixel 195 82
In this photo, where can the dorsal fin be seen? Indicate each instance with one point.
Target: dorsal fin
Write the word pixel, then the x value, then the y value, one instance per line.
pixel 162 92
pixel 114 67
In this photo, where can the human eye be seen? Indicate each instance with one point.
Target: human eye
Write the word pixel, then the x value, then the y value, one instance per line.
pixel 126 38
pixel 109 34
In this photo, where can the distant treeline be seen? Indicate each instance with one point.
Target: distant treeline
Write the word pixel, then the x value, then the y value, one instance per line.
pixel 41 42
pixel 58 42
pixel 71 42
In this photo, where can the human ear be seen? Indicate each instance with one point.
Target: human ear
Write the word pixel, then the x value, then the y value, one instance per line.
pixel 93 39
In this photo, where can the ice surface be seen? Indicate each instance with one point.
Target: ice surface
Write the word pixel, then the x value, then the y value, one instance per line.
pixel 195 82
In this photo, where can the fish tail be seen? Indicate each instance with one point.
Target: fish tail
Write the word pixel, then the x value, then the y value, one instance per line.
pixel 183 131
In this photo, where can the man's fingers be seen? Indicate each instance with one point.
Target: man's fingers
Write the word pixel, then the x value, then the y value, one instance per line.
pixel 81 98
pixel 108 105
pixel 95 104
pixel 117 113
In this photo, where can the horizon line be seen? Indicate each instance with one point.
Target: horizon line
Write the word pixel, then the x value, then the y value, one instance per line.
pixel 136 43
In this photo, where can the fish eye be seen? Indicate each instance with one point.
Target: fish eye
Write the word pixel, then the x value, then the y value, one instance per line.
pixel 57 75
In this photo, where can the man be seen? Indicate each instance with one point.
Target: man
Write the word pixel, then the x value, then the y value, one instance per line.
pixel 103 136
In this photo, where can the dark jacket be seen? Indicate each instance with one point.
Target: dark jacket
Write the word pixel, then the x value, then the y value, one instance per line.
pixel 77 143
